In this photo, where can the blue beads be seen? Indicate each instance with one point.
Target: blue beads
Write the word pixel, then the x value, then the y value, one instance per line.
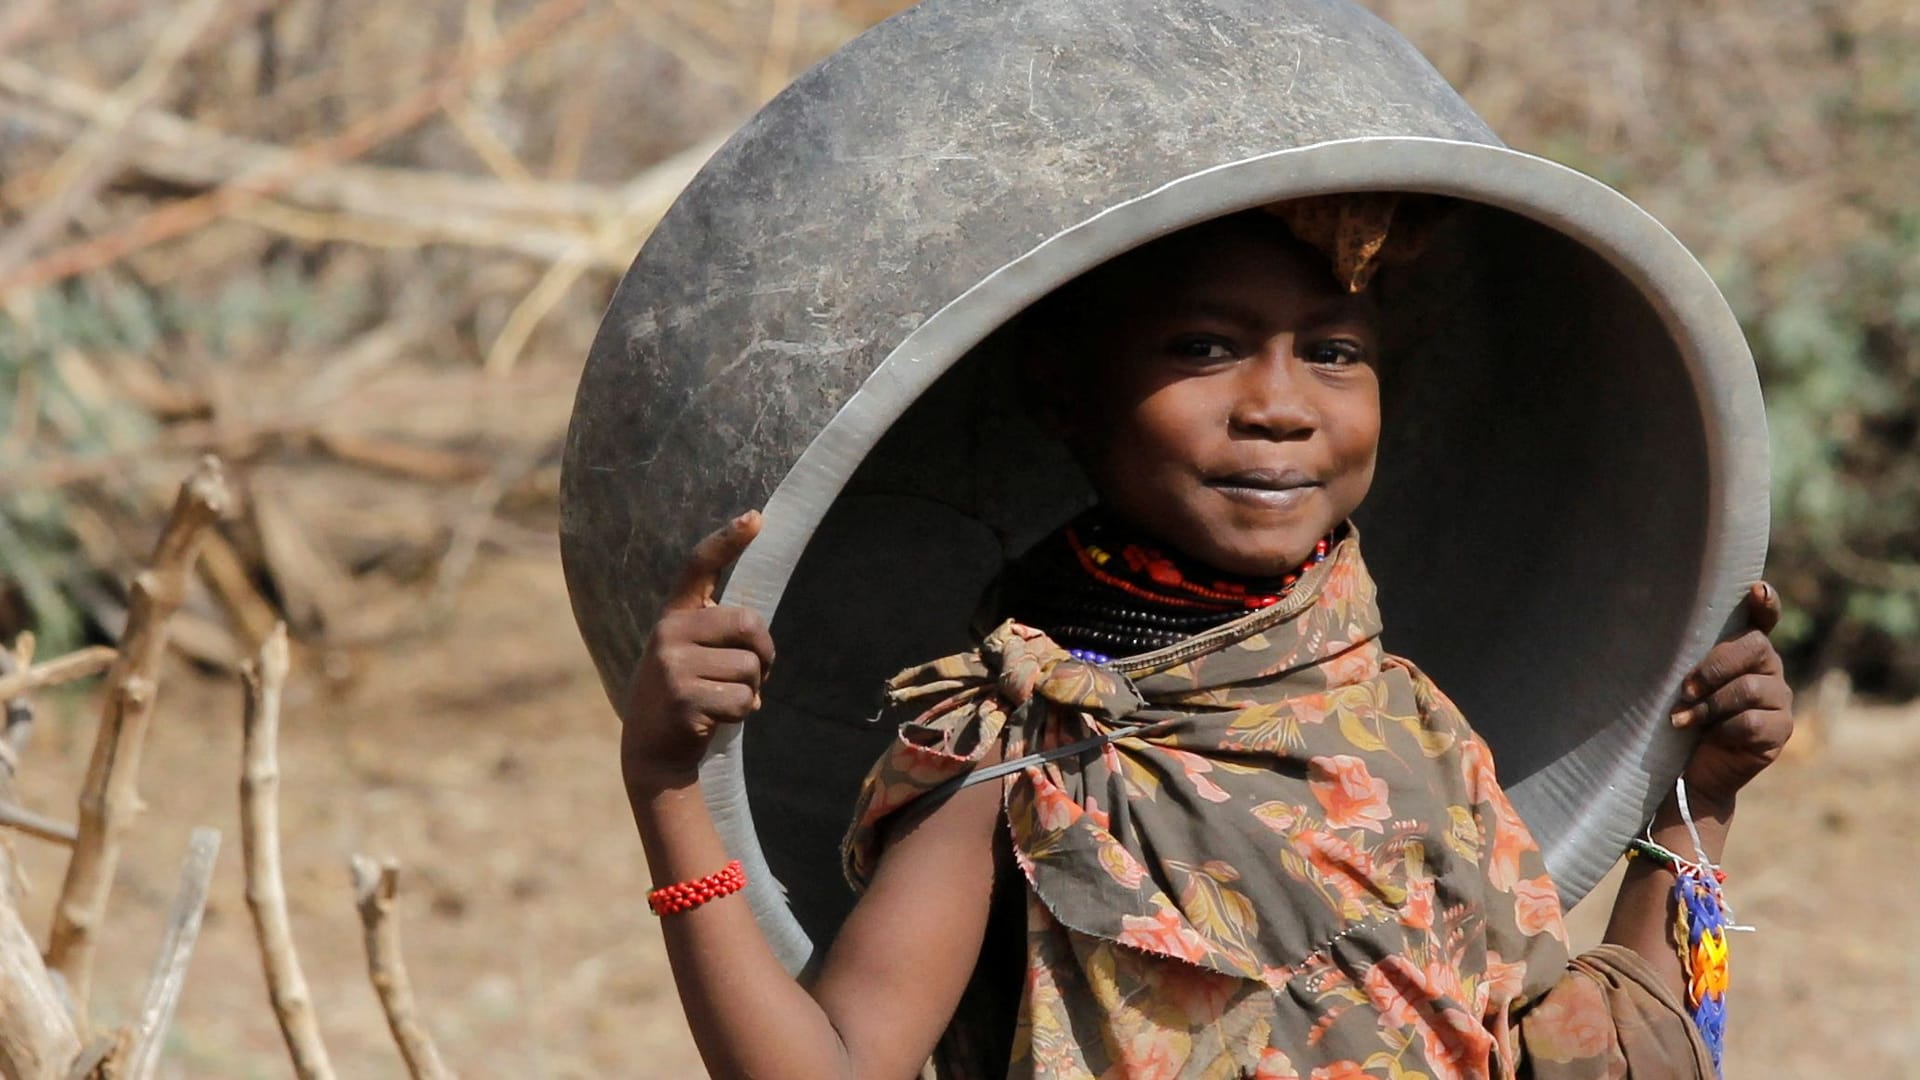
pixel 1089 656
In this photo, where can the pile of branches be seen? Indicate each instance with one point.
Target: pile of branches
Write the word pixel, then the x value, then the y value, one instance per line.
pixel 46 1031
pixel 331 242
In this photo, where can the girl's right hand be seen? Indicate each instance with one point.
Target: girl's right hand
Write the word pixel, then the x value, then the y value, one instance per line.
pixel 703 667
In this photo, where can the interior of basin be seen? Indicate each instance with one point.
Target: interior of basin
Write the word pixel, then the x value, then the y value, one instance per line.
pixel 1544 492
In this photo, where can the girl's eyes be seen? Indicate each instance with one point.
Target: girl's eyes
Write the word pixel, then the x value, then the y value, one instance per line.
pixel 1333 352
pixel 1204 349
pixel 1337 352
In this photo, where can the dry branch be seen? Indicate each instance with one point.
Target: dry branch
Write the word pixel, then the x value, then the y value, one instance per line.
pixel 110 797
pixel 177 219
pixel 595 226
pixel 37 1036
pixel 37 825
pixel 414 461
pixel 268 432
pixel 18 726
pixel 647 199
pixel 310 582
pixel 226 572
pixel 176 949
pixel 72 667
pixel 179 151
pixel 374 887
pixel 89 161
pixel 98 1057
pixel 266 676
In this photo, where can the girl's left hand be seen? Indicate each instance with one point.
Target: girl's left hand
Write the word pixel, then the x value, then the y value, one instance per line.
pixel 1739 700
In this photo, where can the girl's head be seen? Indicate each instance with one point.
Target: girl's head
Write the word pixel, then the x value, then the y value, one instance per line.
pixel 1221 389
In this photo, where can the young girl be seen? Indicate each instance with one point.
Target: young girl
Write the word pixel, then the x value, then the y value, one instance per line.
pixel 1181 814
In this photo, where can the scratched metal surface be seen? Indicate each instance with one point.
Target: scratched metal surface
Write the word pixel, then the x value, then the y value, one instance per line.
pixel 1573 486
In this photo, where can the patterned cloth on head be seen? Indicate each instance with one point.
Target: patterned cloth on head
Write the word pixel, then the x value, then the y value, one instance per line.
pixel 1303 867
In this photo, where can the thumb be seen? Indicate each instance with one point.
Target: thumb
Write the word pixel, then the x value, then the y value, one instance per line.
pixel 1763 607
pixel 710 558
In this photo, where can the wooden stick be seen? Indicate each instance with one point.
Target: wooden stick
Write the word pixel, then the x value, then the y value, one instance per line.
pixel 374 887
pixel 415 461
pixel 17 728
pixel 72 667
pixel 19 711
pixel 37 1036
pixel 266 675
pixel 97 1058
pixel 110 797
pixel 170 966
pixel 231 580
pixel 39 826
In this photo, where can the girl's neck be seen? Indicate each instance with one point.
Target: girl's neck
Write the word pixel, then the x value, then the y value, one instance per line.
pixel 1104 589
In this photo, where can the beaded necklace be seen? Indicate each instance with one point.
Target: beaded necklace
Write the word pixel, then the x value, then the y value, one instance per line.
pixel 1102 591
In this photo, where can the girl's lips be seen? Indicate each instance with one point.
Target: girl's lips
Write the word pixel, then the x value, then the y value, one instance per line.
pixel 1267 498
pixel 1271 489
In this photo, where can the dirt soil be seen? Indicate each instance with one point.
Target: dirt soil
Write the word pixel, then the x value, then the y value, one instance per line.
pixel 484 760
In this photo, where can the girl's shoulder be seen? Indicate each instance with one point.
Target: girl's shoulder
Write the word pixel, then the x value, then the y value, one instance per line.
pixel 1439 709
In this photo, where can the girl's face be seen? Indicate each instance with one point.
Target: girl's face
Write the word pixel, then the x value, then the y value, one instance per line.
pixel 1228 397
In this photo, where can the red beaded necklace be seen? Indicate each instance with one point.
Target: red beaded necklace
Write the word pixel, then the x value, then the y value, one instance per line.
pixel 1145 573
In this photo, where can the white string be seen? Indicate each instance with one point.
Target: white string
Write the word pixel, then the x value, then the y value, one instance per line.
pixel 1686 816
pixel 1700 850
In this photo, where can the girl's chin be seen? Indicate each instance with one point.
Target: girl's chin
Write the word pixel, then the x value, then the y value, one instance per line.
pixel 1264 560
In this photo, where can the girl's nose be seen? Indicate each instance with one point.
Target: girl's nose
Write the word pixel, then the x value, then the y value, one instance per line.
pixel 1270 401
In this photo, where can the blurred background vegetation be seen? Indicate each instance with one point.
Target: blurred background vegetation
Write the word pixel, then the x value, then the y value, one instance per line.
pixel 468 177
pixel 359 250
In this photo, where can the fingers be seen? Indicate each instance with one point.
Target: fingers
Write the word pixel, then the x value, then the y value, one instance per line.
pixel 726 702
pixel 710 558
pixel 1758 733
pixel 729 665
pixel 1750 653
pixel 724 627
pixel 1763 607
pixel 1747 693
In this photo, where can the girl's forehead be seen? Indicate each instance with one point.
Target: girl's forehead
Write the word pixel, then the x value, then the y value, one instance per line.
pixel 1225 273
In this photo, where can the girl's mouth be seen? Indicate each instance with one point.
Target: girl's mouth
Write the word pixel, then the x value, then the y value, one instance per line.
pixel 1271 489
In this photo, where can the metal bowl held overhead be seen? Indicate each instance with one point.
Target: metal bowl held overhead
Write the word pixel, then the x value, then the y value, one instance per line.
pixel 1573 486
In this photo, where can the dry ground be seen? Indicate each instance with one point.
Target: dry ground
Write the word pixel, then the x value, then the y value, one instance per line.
pixel 484 760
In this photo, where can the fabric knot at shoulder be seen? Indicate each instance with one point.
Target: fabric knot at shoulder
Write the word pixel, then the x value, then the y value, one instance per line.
pixel 952 716
pixel 1016 664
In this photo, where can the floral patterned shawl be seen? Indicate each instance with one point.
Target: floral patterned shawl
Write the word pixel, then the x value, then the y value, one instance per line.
pixel 1301 866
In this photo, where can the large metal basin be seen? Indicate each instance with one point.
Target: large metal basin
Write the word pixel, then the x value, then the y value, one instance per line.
pixel 1573 490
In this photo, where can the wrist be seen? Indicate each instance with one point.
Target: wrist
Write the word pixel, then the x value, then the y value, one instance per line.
pixel 649 785
pixel 1707 806
pixel 648 771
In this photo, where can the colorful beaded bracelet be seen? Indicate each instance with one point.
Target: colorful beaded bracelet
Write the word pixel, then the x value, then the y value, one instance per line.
pixel 687 895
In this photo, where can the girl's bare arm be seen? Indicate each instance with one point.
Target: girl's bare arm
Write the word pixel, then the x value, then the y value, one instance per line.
pixel 1739 697
pixel 891 981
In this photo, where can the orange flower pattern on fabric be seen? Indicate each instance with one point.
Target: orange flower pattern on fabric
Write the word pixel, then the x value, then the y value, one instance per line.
pixel 1352 797
pixel 1296 861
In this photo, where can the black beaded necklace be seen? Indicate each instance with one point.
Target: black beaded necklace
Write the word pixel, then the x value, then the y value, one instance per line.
pixel 1099 589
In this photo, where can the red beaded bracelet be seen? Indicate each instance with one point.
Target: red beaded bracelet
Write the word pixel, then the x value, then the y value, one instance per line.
pixel 687 895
